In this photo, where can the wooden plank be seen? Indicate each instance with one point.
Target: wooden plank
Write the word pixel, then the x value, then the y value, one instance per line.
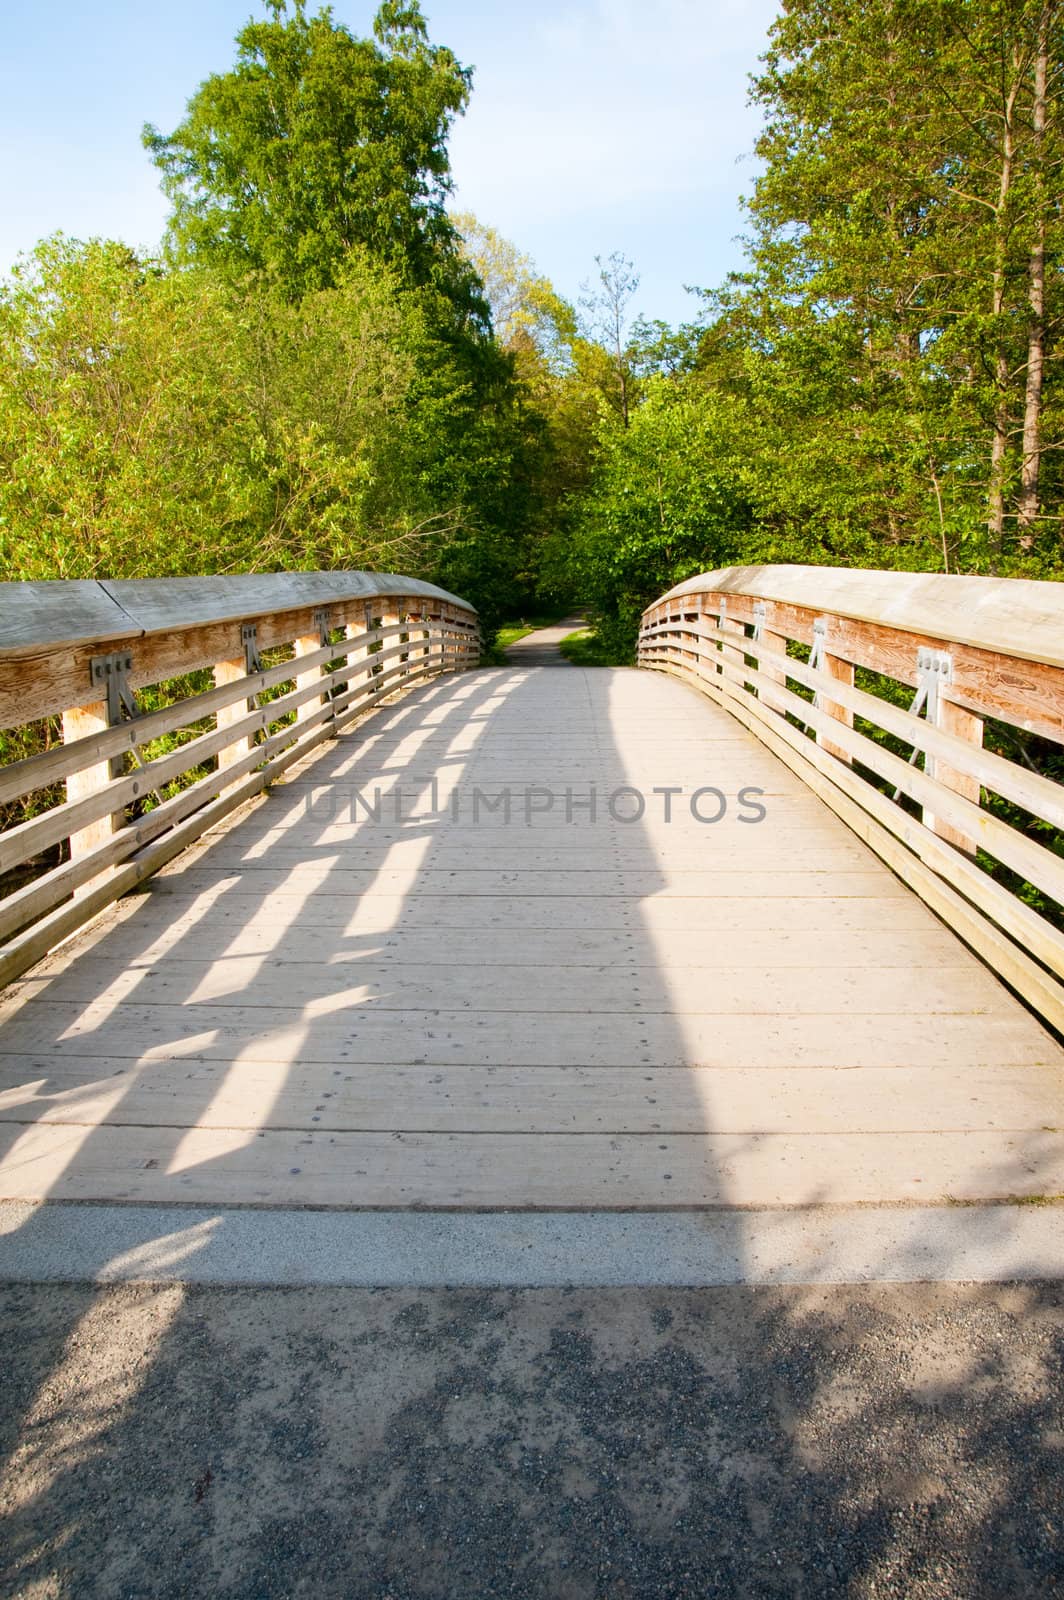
pixel 955 744
pixel 229 741
pixel 616 989
pixel 168 905
pixel 887 831
pixel 1029 694
pixel 1039 865
pixel 225 673
pixel 73 611
pixel 841 671
pixel 43 894
pixel 406 1044
pixel 76 611
pixel 335 819
pixel 187 939
pixel 303 878
pixel 530 1171
pixel 773 643
pixel 29 947
pixel 39 771
pixel 1018 617
pixel 682 869
pixel 160 604
pixel 309 644
pixel 571 1099
pixel 54 677
pixel 262 1031
pixel 960 724
pixel 81 723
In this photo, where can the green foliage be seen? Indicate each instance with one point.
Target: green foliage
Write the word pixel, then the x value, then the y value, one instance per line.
pixel 664 503
pixel 870 391
pixel 586 648
pixel 909 192
pixel 317 143
pixel 158 422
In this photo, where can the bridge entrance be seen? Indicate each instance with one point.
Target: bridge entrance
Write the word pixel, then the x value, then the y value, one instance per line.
pixel 527 939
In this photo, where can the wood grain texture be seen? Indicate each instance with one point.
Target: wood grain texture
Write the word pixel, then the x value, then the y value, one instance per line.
pixel 312 1008
pixel 81 723
pixel 1010 685
pixel 914 852
pixel 49 671
pixel 755 688
pixel 1018 617
pixel 65 612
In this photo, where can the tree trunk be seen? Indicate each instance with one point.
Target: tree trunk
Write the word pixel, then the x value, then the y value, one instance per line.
pixel 1036 300
pixel 999 443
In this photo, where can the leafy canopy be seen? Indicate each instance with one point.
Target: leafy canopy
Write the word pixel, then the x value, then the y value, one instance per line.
pixel 315 143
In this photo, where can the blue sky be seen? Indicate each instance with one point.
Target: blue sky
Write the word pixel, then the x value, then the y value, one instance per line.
pixel 594 126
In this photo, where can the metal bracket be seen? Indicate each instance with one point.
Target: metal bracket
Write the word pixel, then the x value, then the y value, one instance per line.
pixel 934 669
pixel 322 620
pixel 249 638
pixel 760 615
pixel 816 653
pixel 816 657
pixel 111 674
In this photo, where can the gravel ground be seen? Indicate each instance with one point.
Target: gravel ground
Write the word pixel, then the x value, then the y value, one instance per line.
pixel 571 1445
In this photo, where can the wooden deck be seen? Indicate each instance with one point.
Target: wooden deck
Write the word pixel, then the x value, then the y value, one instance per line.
pixel 318 1008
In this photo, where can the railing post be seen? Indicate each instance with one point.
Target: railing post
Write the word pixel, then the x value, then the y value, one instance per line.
pixel 450 643
pixel 776 643
pixel 78 723
pixel 305 646
pixel 730 655
pixel 841 670
pixel 388 618
pixel 965 725
pixel 358 660
pixel 231 672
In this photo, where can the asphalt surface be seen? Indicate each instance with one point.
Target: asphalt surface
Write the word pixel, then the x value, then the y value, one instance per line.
pixel 885 1440
pixel 540 648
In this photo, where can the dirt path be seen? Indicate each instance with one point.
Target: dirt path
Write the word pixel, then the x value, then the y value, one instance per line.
pixel 453 1445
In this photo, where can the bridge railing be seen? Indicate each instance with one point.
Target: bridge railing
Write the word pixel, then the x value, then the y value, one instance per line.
pixel 877 689
pixel 294 658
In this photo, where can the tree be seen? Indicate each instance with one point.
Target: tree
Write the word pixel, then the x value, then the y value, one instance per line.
pixel 317 143
pixel 528 316
pixel 155 422
pixel 912 157
pixel 605 309
pixel 665 501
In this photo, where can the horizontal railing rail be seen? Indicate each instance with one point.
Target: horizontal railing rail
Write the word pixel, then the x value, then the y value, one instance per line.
pixel 87 819
pixel 817 662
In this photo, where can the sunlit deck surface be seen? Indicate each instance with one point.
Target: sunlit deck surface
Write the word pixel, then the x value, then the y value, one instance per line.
pixel 315 1007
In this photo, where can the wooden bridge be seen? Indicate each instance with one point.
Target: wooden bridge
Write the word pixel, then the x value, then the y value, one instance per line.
pixel 768 926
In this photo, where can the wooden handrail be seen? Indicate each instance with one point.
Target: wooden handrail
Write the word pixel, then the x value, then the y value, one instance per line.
pixel 354 637
pixel 971 649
